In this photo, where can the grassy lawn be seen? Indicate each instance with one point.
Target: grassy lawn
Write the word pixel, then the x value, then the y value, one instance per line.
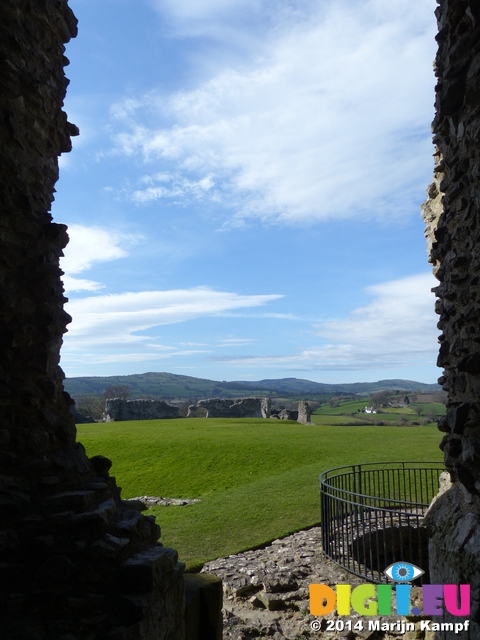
pixel 432 407
pixel 343 407
pixel 338 420
pixel 256 480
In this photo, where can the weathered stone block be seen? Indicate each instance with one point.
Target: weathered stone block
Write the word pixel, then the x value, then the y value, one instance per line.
pixel 121 409
pixel 203 607
pixel 146 569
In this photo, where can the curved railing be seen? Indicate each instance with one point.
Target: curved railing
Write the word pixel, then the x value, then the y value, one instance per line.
pixel 372 515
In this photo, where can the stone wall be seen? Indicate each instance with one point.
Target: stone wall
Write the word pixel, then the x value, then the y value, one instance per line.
pixel 284 414
pixel 452 214
pixel 240 408
pixel 75 563
pixel 303 412
pixel 121 409
pixel 249 408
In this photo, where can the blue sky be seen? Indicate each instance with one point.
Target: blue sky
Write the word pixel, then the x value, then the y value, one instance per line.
pixel 243 200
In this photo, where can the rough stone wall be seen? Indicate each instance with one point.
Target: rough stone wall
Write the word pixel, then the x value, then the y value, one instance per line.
pixel 452 214
pixel 241 408
pixel 75 562
pixel 303 412
pixel 266 407
pixel 285 414
pixel 121 409
pixel 216 407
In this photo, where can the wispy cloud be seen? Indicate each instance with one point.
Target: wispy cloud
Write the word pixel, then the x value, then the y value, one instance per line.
pixel 235 342
pixel 168 186
pixel 331 120
pixel 116 327
pixel 395 330
pixel 89 246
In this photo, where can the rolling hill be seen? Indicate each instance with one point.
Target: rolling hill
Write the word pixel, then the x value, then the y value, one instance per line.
pixel 170 386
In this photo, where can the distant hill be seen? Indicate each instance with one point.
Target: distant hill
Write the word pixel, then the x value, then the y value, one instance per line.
pixel 169 386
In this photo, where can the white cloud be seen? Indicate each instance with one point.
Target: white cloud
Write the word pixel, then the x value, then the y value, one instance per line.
pixel 186 10
pixel 331 121
pixel 235 342
pixel 396 329
pixel 88 246
pixel 115 321
pixel 80 284
pixel 125 358
pixel 168 186
pixel 216 19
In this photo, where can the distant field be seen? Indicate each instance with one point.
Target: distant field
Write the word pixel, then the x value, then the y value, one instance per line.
pixel 354 410
pixel 337 420
pixel 435 407
pixel 343 407
pixel 256 480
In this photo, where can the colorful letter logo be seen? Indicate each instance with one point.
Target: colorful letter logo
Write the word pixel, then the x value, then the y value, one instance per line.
pixel 372 600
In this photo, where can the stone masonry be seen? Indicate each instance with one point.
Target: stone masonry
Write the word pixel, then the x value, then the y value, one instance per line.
pixel 121 409
pixel 240 408
pixel 303 412
pixel 266 594
pixel 249 408
pixel 75 562
pixel 452 215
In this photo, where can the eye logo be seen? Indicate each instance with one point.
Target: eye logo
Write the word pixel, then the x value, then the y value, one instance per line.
pixel 403 572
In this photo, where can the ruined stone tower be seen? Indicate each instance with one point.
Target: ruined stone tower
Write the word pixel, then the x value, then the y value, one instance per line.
pixel 75 563
pixel 452 214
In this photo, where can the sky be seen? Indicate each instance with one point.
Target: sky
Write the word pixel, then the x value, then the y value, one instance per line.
pixel 243 200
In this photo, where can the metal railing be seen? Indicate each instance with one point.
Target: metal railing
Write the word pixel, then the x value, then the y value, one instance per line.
pixel 372 515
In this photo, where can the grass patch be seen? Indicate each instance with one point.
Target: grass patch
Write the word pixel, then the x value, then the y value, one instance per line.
pixel 432 408
pixel 338 420
pixel 256 480
pixel 343 407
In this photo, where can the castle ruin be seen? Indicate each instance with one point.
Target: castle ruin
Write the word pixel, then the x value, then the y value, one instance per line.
pixel 452 215
pixel 75 562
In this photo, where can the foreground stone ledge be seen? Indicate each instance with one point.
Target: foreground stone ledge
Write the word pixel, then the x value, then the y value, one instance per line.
pixel 266 592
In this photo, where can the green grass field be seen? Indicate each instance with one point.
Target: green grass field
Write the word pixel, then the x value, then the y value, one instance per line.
pixel 256 480
pixel 338 420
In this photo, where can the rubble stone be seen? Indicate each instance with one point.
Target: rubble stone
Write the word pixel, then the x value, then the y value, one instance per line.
pixel 266 591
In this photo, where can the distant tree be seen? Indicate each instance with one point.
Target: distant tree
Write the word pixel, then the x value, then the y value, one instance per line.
pixel 380 399
pixel 93 406
pixel 406 400
pixel 117 391
pixel 418 409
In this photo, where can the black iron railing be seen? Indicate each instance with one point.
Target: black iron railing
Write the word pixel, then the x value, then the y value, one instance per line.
pixel 372 515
